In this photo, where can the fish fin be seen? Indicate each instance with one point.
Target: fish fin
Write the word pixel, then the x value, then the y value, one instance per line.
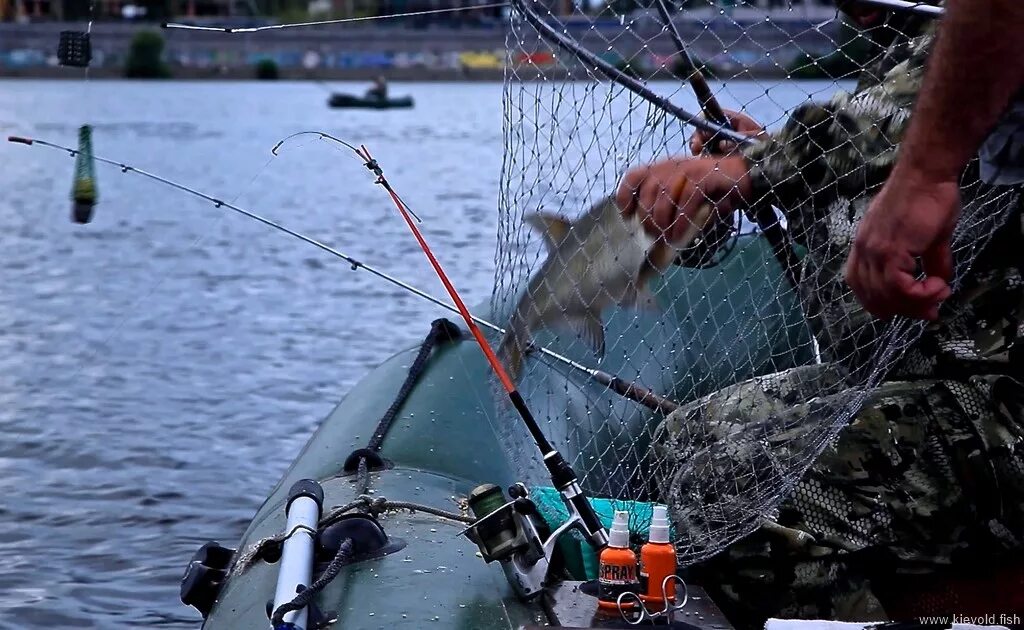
pixel 657 261
pixel 697 223
pixel 511 349
pixel 552 227
pixel 641 298
pixel 591 330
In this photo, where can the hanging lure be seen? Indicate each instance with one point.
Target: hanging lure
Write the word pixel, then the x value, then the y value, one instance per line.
pixel 75 50
pixel 83 190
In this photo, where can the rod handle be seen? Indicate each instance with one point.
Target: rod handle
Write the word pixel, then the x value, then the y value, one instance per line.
pixel 20 140
pixel 636 393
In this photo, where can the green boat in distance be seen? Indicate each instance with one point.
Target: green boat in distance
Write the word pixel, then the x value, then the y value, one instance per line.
pixel 349 101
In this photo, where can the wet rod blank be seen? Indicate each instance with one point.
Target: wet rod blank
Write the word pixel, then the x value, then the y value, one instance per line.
pixel 626 389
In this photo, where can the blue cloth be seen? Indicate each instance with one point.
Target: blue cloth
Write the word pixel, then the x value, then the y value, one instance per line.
pixel 580 558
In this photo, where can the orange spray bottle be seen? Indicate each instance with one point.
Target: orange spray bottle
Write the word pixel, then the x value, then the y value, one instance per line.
pixel 617 571
pixel 657 560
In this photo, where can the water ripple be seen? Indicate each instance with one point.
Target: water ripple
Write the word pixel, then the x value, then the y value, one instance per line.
pixel 162 366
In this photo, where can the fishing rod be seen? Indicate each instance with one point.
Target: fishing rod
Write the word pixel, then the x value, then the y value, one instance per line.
pixel 633 391
pixel 255 29
pixel 562 475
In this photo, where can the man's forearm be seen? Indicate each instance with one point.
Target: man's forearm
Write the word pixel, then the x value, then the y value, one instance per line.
pixel 976 68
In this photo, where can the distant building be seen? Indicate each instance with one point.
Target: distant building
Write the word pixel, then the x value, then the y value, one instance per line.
pixel 228 8
pixel 75 10
pixel 21 10
pixel 36 10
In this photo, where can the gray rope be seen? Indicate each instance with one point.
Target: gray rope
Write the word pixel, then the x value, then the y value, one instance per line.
pixel 362 477
pixel 372 505
pixel 426 509
pixel 305 596
pixel 255 550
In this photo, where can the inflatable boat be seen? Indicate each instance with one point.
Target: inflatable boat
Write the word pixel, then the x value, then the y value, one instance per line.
pixel 408 446
pixel 338 100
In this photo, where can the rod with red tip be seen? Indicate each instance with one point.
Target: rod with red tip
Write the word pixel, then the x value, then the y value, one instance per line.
pixel 562 475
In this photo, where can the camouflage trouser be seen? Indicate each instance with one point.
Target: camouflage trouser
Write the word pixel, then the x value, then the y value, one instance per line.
pixel 924 480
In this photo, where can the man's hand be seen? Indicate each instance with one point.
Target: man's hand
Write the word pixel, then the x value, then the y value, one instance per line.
pixel 740 122
pixel 666 195
pixel 910 218
pixel 914 215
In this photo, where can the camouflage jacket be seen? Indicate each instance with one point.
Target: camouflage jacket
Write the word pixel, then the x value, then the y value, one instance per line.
pixel 822 169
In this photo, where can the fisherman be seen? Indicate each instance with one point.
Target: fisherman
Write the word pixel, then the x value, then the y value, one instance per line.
pixel 379 91
pixel 918 508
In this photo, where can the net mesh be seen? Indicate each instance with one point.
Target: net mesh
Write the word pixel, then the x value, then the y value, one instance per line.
pixel 767 374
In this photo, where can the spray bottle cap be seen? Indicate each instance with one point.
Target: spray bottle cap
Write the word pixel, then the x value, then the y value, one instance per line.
pixel 619 536
pixel 659 525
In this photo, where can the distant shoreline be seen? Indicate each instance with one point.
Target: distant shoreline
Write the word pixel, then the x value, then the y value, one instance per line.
pixel 359 54
pixel 411 75
pixel 249 74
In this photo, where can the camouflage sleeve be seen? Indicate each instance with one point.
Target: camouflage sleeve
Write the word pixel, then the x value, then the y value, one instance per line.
pixel 842 148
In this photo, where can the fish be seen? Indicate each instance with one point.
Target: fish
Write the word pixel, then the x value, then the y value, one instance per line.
pixel 598 260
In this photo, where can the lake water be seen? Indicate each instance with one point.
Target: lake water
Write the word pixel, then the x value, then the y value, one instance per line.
pixel 162 366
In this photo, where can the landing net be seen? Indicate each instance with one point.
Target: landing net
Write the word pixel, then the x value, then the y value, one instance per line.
pixel 768 374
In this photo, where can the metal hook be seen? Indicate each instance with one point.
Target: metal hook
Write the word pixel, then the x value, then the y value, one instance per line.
pixel 645 615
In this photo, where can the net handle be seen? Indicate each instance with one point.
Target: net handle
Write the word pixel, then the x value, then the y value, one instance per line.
pixel 611 72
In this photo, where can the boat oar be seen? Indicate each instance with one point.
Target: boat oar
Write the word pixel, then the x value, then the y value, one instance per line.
pixel 563 478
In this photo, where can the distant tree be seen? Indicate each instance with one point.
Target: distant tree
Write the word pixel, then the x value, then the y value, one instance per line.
pixel 855 51
pixel 624 7
pixel 145 58
pixel 266 70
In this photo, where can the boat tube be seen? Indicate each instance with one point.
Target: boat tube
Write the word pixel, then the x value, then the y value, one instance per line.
pixel 407 467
